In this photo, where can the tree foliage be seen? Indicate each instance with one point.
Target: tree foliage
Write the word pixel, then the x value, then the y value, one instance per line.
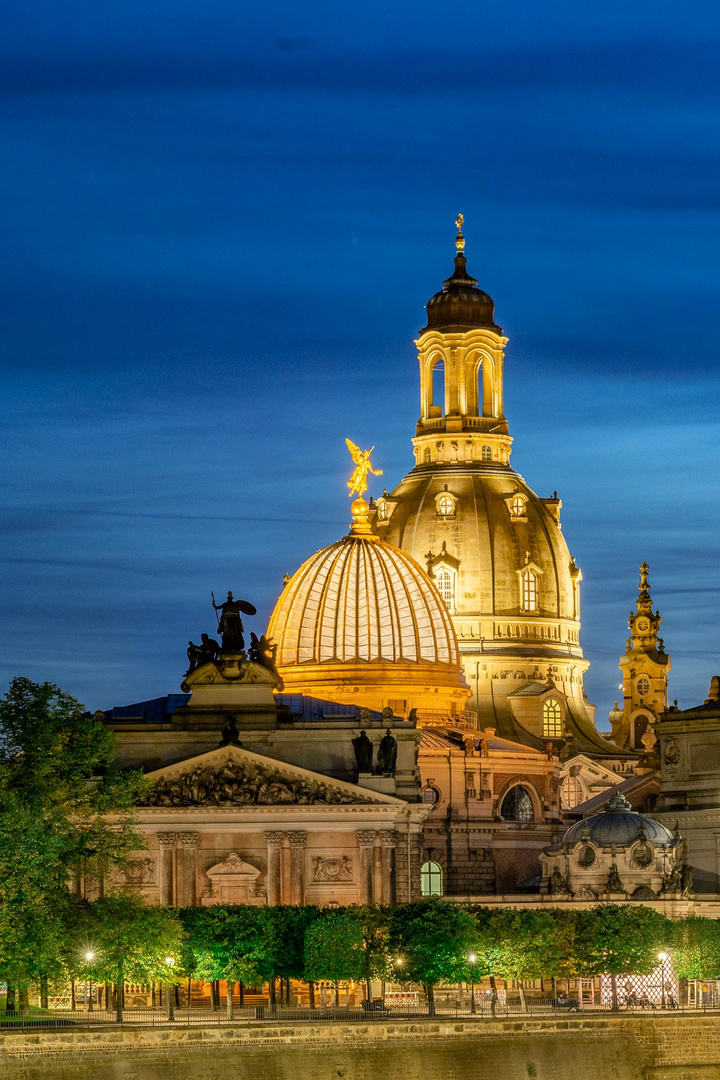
pixel 429 941
pixel 696 948
pixel 334 948
pixel 56 786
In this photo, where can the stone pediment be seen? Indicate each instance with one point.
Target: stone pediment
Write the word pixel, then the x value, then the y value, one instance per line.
pixel 232 776
pixel 233 670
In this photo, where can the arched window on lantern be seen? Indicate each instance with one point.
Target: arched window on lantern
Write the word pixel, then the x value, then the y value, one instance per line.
pixel 486 453
pixel 552 719
pixel 431 879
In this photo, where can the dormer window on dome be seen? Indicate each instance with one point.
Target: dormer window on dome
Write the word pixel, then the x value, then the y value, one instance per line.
pixel 445 504
pixel 517 506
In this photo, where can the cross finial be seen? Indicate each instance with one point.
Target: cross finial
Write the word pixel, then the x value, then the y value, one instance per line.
pixel 459 239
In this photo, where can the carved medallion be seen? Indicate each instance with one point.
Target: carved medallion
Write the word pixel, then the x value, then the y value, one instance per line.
pixel 332 870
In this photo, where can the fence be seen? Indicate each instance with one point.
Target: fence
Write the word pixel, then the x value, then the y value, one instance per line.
pixel 374 1011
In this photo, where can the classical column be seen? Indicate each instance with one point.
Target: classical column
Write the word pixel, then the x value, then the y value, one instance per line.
pixel 377 872
pixel 298 843
pixel 388 839
pixel 166 840
pixel 366 842
pixel 274 844
pixel 190 842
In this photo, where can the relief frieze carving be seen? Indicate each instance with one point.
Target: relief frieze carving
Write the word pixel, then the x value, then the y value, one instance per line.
pixel 243 784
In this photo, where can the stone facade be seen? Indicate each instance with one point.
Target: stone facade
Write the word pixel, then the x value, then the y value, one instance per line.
pixel 247 821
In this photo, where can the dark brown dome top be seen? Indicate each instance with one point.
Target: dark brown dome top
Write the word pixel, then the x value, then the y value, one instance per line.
pixel 460 306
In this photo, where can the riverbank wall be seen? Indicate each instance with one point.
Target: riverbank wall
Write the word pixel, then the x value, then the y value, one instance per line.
pixel 625 1047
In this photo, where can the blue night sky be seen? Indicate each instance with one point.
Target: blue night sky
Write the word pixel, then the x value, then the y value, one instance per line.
pixel 220 224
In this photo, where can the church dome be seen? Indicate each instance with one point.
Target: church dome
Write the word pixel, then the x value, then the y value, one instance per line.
pixel 361 622
pixel 619 826
pixel 362 600
pixel 459 304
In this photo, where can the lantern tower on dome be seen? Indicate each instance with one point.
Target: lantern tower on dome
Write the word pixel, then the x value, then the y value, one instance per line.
pixel 494 549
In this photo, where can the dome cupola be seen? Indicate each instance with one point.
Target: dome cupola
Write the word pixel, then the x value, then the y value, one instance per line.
pixel 361 622
pixel 460 305
pixel 619 825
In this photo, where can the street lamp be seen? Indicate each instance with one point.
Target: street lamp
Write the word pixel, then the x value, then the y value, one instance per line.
pixel 89 956
pixel 662 957
pixel 171 1004
pixel 471 960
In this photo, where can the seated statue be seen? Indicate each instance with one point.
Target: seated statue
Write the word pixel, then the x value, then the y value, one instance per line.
pixel 204 653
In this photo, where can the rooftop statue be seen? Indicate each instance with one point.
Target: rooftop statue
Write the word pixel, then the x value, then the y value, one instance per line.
pixel 204 653
pixel 230 624
pixel 263 651
pixel 358 481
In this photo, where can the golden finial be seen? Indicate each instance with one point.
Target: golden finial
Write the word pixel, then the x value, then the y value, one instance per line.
pixel 358 485
pixel 459 239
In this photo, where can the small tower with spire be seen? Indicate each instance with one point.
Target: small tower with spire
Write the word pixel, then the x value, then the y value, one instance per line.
pixel 644 667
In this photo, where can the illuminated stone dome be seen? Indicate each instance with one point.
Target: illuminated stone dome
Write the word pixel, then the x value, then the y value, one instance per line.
pixel 459 305
pixel 361 622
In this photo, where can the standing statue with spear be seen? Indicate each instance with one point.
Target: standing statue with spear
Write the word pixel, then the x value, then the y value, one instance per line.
pixel 229 622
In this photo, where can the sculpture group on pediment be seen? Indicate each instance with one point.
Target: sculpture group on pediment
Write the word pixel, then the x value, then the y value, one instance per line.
pixel 204 653
pixel 243 784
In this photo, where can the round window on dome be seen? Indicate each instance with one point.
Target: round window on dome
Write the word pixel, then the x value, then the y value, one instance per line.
pixel 445 505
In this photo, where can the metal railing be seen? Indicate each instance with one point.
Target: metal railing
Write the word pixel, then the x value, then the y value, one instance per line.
pixel 289 1014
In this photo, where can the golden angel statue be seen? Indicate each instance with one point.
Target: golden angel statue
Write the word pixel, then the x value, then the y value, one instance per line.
pixel 358 481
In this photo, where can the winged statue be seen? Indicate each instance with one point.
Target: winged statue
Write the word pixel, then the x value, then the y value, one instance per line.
pixel 358 481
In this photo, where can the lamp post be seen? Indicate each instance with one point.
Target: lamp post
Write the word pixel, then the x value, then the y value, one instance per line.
pixel 89 956
pixel 471 961
pixel 662 957
pixel 168 987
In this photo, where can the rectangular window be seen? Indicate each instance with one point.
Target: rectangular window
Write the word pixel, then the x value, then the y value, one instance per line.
pixel 529 592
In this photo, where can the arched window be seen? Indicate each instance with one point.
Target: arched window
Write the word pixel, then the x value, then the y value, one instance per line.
pixel 382 509
pixel 445 505
pixel 529 590
pixel 552 720
pixel 486 453
pixel 643 686
pixel 438 386
pixel 641 722
pixel 571 792
pixel 426 454
pixel 517 805
pixel 431 879
pixel 430 794
pixel 445 581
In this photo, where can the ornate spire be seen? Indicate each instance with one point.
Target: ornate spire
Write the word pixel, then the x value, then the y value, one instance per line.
pixel 644 594
pixel 461 276
pixel 460 239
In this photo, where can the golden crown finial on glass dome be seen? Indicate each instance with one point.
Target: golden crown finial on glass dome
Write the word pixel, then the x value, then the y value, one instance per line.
pixel 358 485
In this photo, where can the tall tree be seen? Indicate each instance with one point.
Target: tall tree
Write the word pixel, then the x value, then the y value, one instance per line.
pixel 429 942
pixel 131 941
pixel 619 939
pixel 56 785
pixel 334 948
